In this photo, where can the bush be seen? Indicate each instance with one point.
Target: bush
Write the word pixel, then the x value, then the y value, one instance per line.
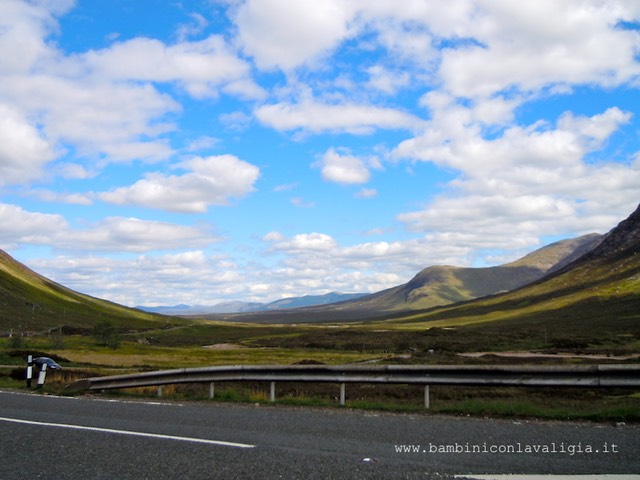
pixel 106 334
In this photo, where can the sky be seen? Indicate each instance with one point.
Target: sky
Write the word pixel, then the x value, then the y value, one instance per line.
pixel 160 152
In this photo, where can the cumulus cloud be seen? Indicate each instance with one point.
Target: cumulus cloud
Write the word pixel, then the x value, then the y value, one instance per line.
pixel 209 181
pixel 109 103
pixel 122 234
pixel 20 226
pixel 200 67
pixel 345 169
pixel 317 117
pixel 112 234
pixel 571 42
pixel 147 279
pixel 23 26
pixel 534 179
pixel 23 150
pixel 284 34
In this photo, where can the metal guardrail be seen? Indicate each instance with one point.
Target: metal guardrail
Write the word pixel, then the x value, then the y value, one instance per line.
pixel 592 376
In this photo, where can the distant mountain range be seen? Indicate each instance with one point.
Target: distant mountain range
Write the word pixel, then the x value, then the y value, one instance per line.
pixel 238 307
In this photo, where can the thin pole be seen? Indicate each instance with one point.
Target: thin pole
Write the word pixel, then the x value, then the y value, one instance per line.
pixel 426 397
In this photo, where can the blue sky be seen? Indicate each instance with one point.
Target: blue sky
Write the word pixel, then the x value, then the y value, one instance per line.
pixel 156 153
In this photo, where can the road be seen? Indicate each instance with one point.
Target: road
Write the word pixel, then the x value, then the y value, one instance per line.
pixel 52 437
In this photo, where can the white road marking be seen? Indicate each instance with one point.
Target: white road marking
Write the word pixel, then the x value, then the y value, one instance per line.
pixel 127 432
pixel 549 477
pixel 95 399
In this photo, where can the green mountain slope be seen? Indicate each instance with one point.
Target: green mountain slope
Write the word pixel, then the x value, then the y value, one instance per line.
pixel 596 297
pixel 31 302
pixel 443 285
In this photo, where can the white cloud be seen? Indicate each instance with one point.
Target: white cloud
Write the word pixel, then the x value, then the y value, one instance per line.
pixel 112 234
pixel 529 182
pixel 147 279
pixel 119 234
pixel 53 196
pixel 317 117
pixel 119 120
pixel 345 169
pixel 23 150
pixel 195 27
pixel 201 67
pixel 367 193
pixel 303 242
pixel 210 181
pixel 107 103
pixel 386 81
pixel 529 46
pixel 20 226
pixel 23 25
pixel 285 34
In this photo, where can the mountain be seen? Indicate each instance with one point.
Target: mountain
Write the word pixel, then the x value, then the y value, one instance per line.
pixel 442 285
pixel 434 286
pixel 239 307
pixel 595 295
pixel 31 302
pixel 311 300
pixel 187 310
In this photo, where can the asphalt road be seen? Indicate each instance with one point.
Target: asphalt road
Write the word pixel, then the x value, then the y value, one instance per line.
pixel 96 438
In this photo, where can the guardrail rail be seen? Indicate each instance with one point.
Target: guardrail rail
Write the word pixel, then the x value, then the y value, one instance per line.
pixel 593 376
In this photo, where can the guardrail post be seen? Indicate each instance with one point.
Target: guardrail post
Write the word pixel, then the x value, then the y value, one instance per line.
pixel 212 390
pixel 272 392
pixel 159 390
pixel 42 375
pixel 342 394
pixel 426 397
pixel 29 370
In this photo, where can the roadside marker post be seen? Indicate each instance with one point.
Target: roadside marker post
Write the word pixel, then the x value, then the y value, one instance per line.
pixel 42 376
pixel 29 370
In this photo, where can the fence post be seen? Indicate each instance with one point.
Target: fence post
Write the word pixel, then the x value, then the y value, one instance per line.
pixel 29 370
pixel 342 394
pixel 212 390
pixel 42 375
pixel 426 397
pixel 272 392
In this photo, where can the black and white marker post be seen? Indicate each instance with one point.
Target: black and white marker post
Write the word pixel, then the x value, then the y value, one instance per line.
pixel 29 370
pixel 42 375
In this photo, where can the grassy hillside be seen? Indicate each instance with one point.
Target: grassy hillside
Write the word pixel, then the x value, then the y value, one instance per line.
pixel 31 302
pixel 594 300
pixel 443 285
